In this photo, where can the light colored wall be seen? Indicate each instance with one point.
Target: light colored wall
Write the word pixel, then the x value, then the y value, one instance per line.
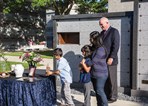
pixel 142 50
pixel 72 52
pixel 118 6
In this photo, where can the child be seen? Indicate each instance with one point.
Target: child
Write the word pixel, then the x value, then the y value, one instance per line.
pixel 85 78
pixel 64 70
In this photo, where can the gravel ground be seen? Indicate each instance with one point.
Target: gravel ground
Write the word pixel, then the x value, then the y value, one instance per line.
pixel 121 96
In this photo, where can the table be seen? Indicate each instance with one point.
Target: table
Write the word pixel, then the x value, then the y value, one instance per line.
pixel 41 92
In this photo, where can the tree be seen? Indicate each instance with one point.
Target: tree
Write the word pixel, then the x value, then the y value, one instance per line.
pixel 30 14
pixel 61 7
pixel 92 6
pixel 19 6
pixel 22 20
pixel 1 6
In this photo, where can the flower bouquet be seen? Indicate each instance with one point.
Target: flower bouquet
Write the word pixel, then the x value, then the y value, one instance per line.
pixel 32 59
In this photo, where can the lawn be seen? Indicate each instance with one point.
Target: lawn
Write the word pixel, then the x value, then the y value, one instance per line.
pixel 44 54
pixel 5 66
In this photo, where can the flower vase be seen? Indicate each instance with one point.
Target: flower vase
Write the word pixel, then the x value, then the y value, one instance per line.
pixel 32 70
pixel 19 70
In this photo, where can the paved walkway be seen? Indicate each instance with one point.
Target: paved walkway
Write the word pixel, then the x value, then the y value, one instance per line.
pixel 78 99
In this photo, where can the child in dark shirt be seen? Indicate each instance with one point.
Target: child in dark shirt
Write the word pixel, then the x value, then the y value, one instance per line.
pixel 85 78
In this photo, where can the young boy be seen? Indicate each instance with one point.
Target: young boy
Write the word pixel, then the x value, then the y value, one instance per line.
pixel 64 70
pixel 85 77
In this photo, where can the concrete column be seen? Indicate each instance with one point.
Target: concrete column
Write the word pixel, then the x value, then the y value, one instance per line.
pixel 120 6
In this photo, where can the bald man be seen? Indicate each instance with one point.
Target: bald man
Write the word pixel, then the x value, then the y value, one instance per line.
pixel 111 40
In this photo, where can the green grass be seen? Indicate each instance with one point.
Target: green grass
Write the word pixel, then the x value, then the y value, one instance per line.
pixel 44 54
pixel 13 53
pixel 8 65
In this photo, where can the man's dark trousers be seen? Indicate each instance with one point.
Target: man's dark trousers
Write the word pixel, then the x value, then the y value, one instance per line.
pixel 111 83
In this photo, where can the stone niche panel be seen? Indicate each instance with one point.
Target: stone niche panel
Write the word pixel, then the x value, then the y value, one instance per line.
pixel 68 26
pixel 142 52
pixel 143 37
pixel 143 23
pixel 143 8
pixel 143 66
pixel 84 37
pixel 89 25
pixel 142 82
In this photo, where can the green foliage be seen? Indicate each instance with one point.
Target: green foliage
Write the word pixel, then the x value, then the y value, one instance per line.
pixel 61 7
pixel 92 6
pixel 12 5
pixel 40 3
pixel 18 6
pixel 3 62
pixel 4 66
pixel 31 58
pixel 2 56
pixel 6 10
pixel 21 20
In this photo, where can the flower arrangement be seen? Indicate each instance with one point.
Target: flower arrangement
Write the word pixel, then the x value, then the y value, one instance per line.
pixel 31 58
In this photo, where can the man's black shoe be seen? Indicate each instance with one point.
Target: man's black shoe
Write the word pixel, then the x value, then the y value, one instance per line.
pixel 111 100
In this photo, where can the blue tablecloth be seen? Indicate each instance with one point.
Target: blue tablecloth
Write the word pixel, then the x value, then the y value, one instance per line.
pixel 22 93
